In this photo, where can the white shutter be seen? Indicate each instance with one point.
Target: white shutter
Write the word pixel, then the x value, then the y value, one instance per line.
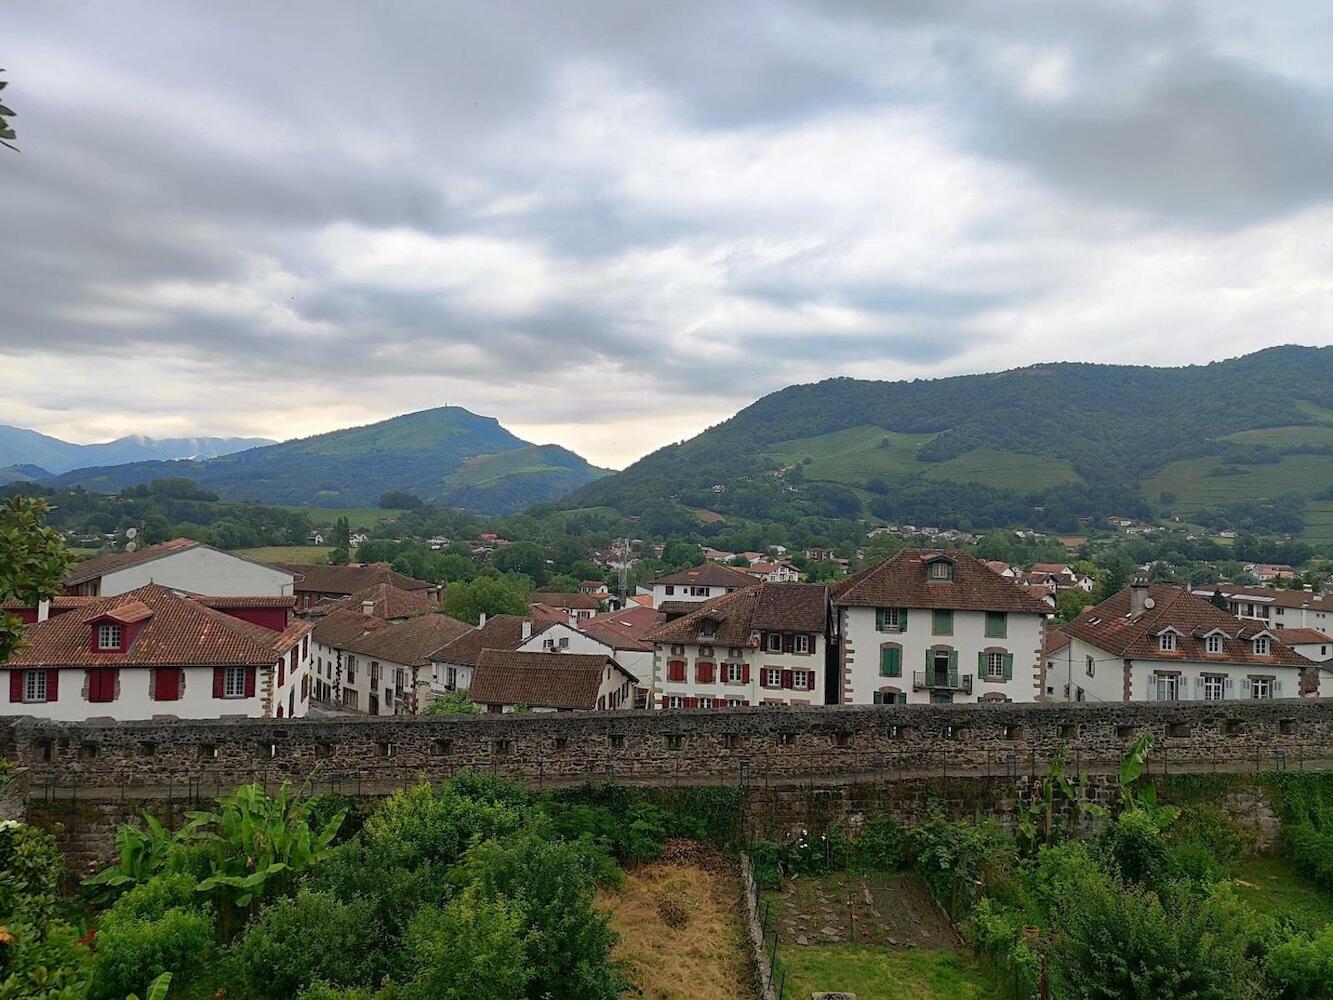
pixel 1226 688
pixel 1277 688
pixel 1245 687
pixel 1152 687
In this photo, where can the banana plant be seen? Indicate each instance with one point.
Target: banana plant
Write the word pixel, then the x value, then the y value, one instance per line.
pixel 140 854
pixel 157 989
pixel 1143 799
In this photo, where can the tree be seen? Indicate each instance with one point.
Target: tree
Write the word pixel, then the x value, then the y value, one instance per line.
pixel 468 600
pixel 33 561
pixel 401 500
pixel 342 533
pixel 527 558
pixel 1069 603
pixel 6 132
pixel 453 703
pixel 682 552
pixel 339 557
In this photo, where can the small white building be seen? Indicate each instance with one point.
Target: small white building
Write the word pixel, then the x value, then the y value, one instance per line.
pixel 1276 608
pixel 452 664
pixel 181 564
pixel 1162 643
pixel 937 626
pixel 699 583
pixel 385 670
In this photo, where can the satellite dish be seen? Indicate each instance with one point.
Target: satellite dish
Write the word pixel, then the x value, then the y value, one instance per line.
pixel 1149 603
pixel 130 546
pixel 131 532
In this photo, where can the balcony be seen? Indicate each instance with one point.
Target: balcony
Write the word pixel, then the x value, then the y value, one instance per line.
pixel 941 680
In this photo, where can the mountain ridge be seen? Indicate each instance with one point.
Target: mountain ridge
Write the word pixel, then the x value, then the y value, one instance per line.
pixel 20 446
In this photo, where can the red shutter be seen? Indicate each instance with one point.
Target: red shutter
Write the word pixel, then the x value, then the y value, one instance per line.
pixel 745 702
pixel 282 670
pixel 745 673
pixel 249 682
pixel 691 702
pixel 789 643
pixel 786 678
pixel 16 686
pixel 52 684
pixel 101 684
pixel 219 682
pixel 166 684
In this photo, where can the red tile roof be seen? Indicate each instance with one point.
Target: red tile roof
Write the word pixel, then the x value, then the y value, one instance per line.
pixel 900 581
pixel 629 625
pixel 736 617
pixel 312 577
pixel 710 574
pixel 337 627
pixel 1110 627
pixel 410 642
pixel 539 680
pixel 575 602
pixel 1270 596
pixel 389 602
pixel 1302 636
pixel 176 631
pixel 61 602
pixel 258 601
pixel 499 632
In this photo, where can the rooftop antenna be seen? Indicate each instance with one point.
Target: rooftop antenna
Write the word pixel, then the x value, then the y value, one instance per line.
pixel 621 551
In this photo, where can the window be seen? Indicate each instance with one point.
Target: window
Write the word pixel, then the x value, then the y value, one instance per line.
pixel 941 620
pixel 564 642
pixel 233 682
pixel 675 701
pixel 774 642
pixel 997 624
pixel 670 590
pixel 108 636
pixel 734 671
pixel 351 698
pixel 698 591
pixel 941 569
pixel 705 702
pixel 734 703
pixel 1261 687
pixel 1213 644
pixel 891 619
pixel 1166 642
pixel 548 644
pixel 400 679
pixel 34 686
pixel 1214 687
pixel 995 665
pixel 1167 687
pixel 772 677
pixel 799 680
pixel 451 678
pixel 802 644
pixel 707 628
pixel 1091 667
pixel 1261 648
pixel 351 670
pixel 706 652
pixel 677 650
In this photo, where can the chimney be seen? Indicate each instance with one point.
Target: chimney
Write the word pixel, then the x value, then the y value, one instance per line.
pixel 43 610
pixel 527 629
pixel 482 620
pixel 367 607
pixel 1138 596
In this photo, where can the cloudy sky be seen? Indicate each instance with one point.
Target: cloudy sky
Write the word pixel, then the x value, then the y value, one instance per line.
pixel 611 224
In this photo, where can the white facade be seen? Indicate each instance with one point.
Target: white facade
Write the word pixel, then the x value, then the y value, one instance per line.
pixel 1093 674
pixel 951 656
pixel 199 570
pixel 562 638
pixel 691 675
pixel 686 592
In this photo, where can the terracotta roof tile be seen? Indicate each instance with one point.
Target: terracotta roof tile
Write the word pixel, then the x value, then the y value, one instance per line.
pixel 1302 636
pixel 349 579
pixel 389 602
pixel 579 602
pixel 731 620
pixel 499 632
pixel 901 582
pixel 339 626
pixel 539 680
pixel 257 601
pixel 710 574
pixel 410 642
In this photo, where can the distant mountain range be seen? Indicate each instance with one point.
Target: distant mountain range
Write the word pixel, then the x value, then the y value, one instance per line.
pixel 1248 442
pixel 446 455
pixel 20 447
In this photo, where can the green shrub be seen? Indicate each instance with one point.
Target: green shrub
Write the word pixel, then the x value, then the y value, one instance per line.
pixel 30 871
pixel 310 937
pixel 881 846
pixel 1301 967
pixel 473 949
pixel 952 857
pixel 1135 846
pixel 1207 844
pixel 160 926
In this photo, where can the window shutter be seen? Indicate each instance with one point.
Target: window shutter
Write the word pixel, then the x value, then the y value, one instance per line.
pixel 745 673
pixel 1277 688
pixel 879 697
pixel 902 619
pixel 282 671
pixel 1245 687
pixel 789 643
pixel 166 684
pixel 953 659
pixel 691 702
pixel 52 685
pixel 902 697
pixel 249 682
pixel 786 678
pixel 981 666
pixel 16 686
pixel 890 662
pixel 930 659
pixel 219 679
pixel 879 619
pixel 1008 666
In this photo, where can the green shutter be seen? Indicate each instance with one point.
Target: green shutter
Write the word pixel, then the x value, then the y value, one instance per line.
pixel 902 619
pixel 1008 666
pixel 930 660
pixel 902 697
pixel 981 665
pixel 890 662
pixel 941 622
pixel 879 619
pixel 879 697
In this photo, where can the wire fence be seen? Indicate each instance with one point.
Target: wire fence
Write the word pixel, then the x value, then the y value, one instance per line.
pixel 772 973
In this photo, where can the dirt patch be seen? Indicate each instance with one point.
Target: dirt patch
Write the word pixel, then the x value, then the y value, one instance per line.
pixel 680 926
pixel 894 911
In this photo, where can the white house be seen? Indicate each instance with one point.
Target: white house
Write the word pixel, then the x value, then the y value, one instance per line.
pixel 937 626
pixel 1276 608
pixel 386 670
pixel 181 564
pixel 760 645
pixel 152 653
pixel 453 662
pixel 699 583
pixel 507 680
pixel 1162 643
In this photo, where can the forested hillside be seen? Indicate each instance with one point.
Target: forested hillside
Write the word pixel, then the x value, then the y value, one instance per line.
pixel 446 454
pixel 1247 441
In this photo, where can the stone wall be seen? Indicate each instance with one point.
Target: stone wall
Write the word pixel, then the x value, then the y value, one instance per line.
pixel 98 761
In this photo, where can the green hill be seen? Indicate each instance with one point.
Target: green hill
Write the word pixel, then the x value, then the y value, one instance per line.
pixel 1249 440
pixel 448 455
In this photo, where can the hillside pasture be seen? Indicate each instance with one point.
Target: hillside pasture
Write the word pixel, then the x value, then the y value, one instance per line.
pixel 1291 436
pixel 1006 470
pixel 1318 522
pixel 488 470
pixel 854 455
pixel 286 553
pixel 1194 485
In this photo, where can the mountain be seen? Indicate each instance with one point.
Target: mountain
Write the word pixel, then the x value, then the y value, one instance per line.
pixel 448 455
pixel 24 447
pixel 1248 441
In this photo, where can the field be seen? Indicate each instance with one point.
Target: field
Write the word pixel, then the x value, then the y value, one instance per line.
pixel 286 553
pixel 486 470
pixel 858 454
pixel 881 974
pixel 1190 481
pixel 1284 437
pixel 680 927
pixel 359 517
pixel 1272 887
pixel 1318 522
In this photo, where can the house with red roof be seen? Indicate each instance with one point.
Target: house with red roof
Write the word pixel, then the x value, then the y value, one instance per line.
pixel 181 564
pixel 152 652
pixel 699 583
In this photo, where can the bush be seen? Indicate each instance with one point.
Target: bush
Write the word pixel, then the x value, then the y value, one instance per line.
pixel 1134 845
pixel 307 938
pixel 881 846
pixel 473 949
pixel 160 926
pixel 1301 967
pixel 951 857
pixel 30 871
pixel 1207 843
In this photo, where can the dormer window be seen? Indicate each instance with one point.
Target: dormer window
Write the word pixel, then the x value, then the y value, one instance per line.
pixel 1261 645
pixel 108 636
pixel 1212 644
pixel 1166 642
pixel 941 569
pixel 707 628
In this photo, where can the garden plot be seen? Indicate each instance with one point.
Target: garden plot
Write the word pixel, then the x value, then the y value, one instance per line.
pixel 893 911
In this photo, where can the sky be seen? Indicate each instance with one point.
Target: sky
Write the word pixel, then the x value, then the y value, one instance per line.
pixel 612 224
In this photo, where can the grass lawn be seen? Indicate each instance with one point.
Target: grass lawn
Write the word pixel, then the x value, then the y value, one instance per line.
pixel 1005 470
pixel 881 974
pixel 1284 437
pixel 286 553
pixel 1190 481
pixel 1276 889
pixel 360 517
